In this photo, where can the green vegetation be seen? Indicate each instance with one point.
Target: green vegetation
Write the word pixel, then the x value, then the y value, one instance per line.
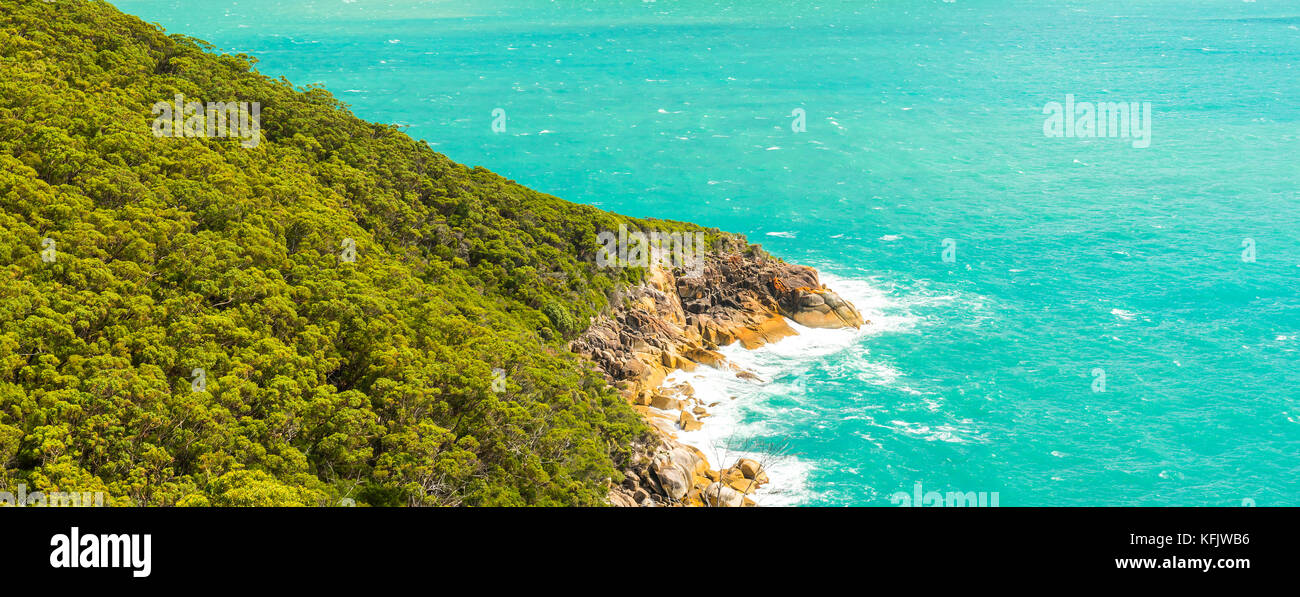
pixel 325 380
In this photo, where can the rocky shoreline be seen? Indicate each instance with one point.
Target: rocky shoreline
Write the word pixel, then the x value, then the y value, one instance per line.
pixel 676 320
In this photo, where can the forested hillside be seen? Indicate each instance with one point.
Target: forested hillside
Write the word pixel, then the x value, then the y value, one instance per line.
pixel 322 379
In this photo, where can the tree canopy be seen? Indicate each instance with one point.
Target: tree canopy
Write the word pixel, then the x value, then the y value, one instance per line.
pixel 321 379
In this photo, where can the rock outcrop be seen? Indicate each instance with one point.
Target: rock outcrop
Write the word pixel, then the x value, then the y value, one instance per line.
pixel 677 319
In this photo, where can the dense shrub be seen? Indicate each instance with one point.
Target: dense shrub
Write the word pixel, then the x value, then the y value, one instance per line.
pixel 322 379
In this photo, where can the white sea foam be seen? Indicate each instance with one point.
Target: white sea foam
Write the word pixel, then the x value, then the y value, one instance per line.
pixel 741 410
pixel 725 437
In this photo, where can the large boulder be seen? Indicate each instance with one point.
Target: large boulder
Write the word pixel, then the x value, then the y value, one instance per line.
pixel 690 458
pixel 733 479
pixel 718 494
pixel 662 402
pixel 764 329
pixel 752 470
pixel 674 478
pixel 622 498
pixel 825 309
pixel 706 356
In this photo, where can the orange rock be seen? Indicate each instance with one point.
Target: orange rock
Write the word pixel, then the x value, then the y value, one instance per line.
pixel 737 481
pixel 662 402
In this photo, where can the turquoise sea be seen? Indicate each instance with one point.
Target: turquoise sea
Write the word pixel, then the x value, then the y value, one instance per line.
pixel 1074 257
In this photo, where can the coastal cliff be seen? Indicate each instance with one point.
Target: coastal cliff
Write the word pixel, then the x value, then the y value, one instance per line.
pixel 676 320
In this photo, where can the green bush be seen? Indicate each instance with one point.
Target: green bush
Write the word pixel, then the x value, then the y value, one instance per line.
pixel 323 379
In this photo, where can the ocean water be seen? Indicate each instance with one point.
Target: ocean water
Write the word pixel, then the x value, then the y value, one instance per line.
pixel 1069 258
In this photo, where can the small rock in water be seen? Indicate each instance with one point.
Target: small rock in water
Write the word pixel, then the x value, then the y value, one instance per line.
pixel 688 422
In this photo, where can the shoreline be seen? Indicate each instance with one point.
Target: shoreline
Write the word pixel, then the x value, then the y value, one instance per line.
pixel 726 431
pixel 721 436
pixel 661 331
